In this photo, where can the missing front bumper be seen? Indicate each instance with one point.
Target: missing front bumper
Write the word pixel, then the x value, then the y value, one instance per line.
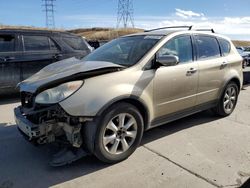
pixel 32 131
pixel 51 124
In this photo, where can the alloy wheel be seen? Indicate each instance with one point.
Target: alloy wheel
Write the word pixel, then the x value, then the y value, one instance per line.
pixel 120 133
pixel 230 99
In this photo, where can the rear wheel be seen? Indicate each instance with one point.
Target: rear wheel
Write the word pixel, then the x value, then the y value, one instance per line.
pixel 119 133
pixel 228 100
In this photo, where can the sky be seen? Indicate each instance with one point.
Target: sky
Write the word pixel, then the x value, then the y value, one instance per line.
pixel 229 17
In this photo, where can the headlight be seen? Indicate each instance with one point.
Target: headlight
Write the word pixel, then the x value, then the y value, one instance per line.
pixel 59 93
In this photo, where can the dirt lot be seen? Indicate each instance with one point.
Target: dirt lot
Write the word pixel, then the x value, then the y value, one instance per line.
pixel 197 151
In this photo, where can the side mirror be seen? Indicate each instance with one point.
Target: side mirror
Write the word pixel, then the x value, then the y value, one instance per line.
pixel 167 60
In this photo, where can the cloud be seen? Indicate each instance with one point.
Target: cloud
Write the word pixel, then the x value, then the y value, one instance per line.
pixel 187 13
pixel 237 20
pixel 234 27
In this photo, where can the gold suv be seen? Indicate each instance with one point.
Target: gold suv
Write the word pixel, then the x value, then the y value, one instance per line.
pixel 103 103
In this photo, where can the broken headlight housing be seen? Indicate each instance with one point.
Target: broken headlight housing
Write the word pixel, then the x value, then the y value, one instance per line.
pixel 59 93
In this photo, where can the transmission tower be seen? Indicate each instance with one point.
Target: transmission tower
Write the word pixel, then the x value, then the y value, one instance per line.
pixel 125 13
pixel 49 12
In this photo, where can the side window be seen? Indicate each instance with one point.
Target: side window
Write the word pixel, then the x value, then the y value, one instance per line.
pixel 7 43
pixel 180 46
pixel 225 46
pixel 36 43
pixel 76 43
pixel 53 45
pixel 207 47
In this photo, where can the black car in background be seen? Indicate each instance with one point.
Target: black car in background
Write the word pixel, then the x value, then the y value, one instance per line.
pixel 25 52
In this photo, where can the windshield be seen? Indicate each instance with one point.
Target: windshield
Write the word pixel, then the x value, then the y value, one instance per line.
pixel 125 51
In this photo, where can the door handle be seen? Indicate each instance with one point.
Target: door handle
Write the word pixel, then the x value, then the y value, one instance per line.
pixel 9 58
pixel 56 56
pixel 223 65
pixel 191 71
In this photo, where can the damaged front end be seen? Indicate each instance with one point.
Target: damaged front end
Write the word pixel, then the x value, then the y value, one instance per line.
pixel 40 117
pixel 42 120
pixel 43 124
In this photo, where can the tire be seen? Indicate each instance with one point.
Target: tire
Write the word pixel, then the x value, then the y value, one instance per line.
pixel 227 101
pixel 118 133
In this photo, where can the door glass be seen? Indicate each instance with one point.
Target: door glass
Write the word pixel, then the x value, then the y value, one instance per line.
pixel 76 43
pixel 207 46
pixel 7 43
pixel 225 46
pixel 36 43
pixel 53 45
pixel 180 46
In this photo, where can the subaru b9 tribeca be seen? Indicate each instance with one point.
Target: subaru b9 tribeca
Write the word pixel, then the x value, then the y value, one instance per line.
pixel 103 103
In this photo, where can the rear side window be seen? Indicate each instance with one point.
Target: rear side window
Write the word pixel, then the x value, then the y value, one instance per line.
pixel 207 47
pixel 36 43
pixel 7 43
pixel 76 43
pixel 225 46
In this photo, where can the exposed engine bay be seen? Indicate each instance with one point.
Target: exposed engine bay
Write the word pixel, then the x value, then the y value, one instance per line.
pixel 50 123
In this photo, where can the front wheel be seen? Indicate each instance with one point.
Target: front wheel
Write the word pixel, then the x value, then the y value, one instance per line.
pixel 119 133
pixel 228 100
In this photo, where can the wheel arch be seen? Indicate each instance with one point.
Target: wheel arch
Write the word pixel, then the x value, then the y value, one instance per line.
pixel 233 79
pixel 131 99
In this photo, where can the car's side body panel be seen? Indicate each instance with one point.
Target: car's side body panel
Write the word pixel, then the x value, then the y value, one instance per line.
pixel 211 79
pixel 88 101
pixel 173 93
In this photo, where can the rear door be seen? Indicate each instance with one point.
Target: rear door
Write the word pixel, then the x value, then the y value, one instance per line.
pixel 212 68
pixel 9 61
pixel 39 51
pixel 175 87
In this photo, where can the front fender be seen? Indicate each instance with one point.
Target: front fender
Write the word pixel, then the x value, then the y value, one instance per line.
pixel 98 92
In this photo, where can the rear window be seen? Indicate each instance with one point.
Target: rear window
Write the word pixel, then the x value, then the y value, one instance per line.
pixel 76 43
pixel 7 43
pixel 36 43
pixel 208 47
pixel 225 46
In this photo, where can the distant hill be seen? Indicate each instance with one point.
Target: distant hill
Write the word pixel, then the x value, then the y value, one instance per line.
pixel 241 43
pixel 108 34
pixel 105 34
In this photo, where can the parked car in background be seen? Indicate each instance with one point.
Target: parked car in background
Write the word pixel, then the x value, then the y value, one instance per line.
pixel 25 52
pixel 245 54
pixel 103 103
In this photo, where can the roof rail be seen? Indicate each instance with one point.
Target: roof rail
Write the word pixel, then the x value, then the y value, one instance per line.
pixel 161 28
pixel 212 30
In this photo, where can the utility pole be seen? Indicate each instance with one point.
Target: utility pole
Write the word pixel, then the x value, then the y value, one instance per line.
pixel 49 12
pixel 125 13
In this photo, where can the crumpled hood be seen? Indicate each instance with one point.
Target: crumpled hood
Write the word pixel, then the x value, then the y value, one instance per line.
pixel 64 71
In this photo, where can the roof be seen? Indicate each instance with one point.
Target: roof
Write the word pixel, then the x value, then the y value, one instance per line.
pixel 179 29
pixel 34 31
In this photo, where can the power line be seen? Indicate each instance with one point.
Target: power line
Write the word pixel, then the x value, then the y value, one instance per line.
pixel 125 13
pixel 49 13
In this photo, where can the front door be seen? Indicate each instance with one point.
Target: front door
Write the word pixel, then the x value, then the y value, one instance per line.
pixel 175 87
